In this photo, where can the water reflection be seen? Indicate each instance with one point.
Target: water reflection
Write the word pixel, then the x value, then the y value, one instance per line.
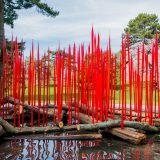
pixel 76 149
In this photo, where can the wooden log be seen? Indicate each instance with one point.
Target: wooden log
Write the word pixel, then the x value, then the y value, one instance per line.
pixel 31 130
pixel 128 135
pixel 113 123
pixel 89 126
pixel 28 107
pixel 125 134
pixel 11 100
pixel 156 122
pixel 60 137
pixel 141 126
pixel 133 118
pixel 136 130
pixel 117 123
pixel 60 124
pixel 134 114
pixel 51 112
pixel 83 118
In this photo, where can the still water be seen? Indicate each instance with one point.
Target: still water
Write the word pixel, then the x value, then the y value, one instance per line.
pixel 107 148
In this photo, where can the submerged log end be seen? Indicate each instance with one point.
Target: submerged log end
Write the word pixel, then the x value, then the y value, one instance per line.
pixel 78 127
pixel 60 124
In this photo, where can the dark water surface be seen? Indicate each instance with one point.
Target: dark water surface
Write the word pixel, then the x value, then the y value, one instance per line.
pixel 107 148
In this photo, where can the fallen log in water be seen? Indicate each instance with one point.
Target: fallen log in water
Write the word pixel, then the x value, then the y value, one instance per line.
pixel 117 123
pixel 60 137
pixel 134 114
pixel 31 130
pixel 87 120
pixel 128 135
pixel 106 126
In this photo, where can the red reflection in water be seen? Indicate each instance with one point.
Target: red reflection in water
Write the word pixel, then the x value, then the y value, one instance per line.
pixel 73 149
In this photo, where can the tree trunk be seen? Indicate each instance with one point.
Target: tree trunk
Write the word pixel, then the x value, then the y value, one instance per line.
pixel 11 130
pixel 1 32
pixel 113 123
pixel 117 123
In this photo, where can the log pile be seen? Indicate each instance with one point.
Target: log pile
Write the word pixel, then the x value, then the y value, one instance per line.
pixel 132 136
pixel 133 132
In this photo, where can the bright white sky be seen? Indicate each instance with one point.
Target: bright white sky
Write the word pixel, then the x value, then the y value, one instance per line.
pixel 75 21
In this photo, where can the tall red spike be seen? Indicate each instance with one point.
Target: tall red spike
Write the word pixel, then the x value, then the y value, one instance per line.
pixel 69 86
pixel 44 87
pixel 48 86
pixel 74 74
pixel 79 102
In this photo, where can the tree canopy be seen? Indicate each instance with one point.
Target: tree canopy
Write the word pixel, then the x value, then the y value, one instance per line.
pixel 142 27
pixel 9 8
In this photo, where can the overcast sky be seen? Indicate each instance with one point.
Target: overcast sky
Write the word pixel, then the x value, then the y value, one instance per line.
pixel 75 21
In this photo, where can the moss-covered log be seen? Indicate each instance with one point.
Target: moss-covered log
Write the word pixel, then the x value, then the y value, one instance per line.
pixel 31 130
pixel 117 123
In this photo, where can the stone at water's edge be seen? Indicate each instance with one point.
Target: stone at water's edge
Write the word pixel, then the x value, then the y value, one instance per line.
pixel 1 131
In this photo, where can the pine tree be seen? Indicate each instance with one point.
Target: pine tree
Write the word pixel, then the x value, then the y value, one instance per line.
pixel 142 27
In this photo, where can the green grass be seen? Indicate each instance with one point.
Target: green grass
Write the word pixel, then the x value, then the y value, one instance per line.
pixel 117 94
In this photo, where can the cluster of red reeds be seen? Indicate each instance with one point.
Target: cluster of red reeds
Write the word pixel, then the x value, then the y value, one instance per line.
pixel 84 80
